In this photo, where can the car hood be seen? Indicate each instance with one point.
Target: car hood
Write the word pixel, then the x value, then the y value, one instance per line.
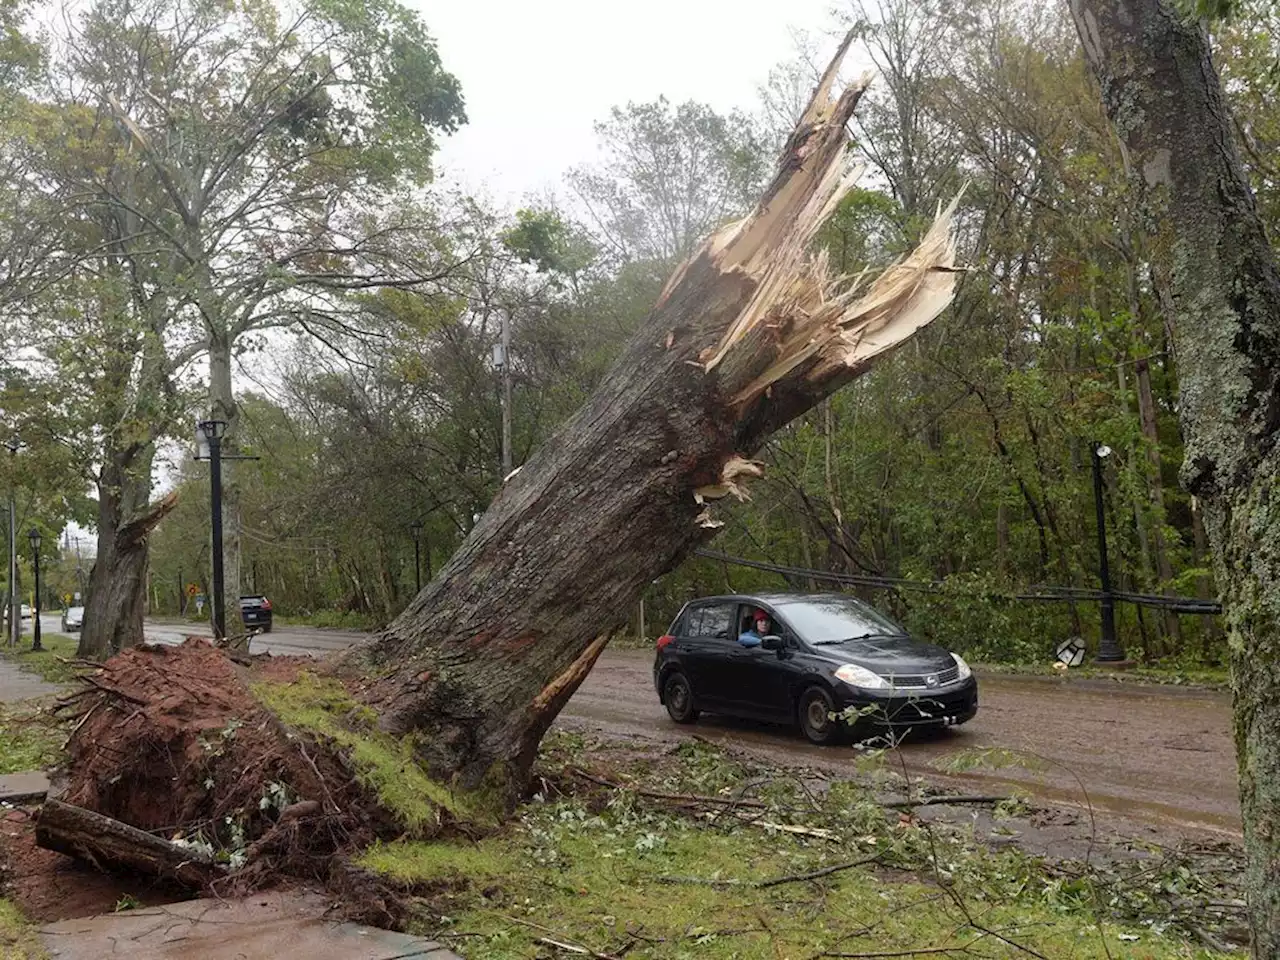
pixel 890 655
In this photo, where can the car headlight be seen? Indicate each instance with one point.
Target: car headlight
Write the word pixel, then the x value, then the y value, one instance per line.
pixel 965 672
pixel 857 676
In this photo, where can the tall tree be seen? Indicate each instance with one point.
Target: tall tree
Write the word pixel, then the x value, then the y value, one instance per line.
pixel 236 170
pixel 1162 92
pixel 283 145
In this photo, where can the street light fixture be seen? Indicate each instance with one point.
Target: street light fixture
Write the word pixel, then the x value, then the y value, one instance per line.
pixel 1109 650
pixel 214 431
pixel 416 528
pixel 34 536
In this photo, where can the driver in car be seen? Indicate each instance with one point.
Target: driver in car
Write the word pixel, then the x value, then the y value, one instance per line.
pixel 760 628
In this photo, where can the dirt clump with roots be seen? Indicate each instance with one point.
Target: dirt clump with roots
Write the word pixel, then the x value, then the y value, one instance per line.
pixel 275 772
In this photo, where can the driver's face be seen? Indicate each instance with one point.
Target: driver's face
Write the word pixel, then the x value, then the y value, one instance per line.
pixel 763 625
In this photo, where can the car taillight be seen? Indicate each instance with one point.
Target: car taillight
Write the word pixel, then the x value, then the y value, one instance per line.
pixel 266 604
pixel 663 640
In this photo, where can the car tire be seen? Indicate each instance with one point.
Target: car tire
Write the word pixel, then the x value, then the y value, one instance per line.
pixel 677 695
pixel 814 713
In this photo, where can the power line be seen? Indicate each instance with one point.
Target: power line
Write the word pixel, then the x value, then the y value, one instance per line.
pixel 1042 593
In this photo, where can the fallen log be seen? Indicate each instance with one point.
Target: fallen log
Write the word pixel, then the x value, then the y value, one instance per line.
pixel 108 845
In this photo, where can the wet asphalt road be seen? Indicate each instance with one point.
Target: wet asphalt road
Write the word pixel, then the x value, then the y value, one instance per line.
pixel 1162 755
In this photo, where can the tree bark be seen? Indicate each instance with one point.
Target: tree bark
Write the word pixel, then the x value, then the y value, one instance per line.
pixel 749 333
pixel 1162 93
pixel 107 843
pixel 116 593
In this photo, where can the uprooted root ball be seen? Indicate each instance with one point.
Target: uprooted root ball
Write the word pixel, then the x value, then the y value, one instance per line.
pixel 270 770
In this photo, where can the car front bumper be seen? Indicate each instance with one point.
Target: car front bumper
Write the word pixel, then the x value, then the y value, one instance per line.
pixel 914 708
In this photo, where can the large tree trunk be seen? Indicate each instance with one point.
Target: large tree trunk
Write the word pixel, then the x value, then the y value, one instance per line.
pixel 749 333
pixel 1163 95
pixel 117 584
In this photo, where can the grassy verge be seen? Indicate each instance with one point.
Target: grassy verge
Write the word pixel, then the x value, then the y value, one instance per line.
pixel 29 739
pixel 332 620
pixel 45 662
pixel 18 940
pixel 1215 678
pixel 612 872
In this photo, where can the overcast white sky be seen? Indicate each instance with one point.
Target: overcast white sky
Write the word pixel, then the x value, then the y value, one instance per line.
pixel 537 74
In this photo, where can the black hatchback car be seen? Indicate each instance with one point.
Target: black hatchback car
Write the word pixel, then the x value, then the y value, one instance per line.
pixel 824 654
pixel 256 612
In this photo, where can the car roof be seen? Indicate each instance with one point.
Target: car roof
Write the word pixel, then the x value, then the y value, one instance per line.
pixel 773 598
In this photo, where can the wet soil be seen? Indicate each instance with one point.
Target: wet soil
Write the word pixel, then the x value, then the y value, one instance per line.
pixel 47 886
pixel 1150 761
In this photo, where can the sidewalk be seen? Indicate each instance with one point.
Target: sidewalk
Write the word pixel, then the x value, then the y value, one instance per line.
pixel 16 684
pixel 266 926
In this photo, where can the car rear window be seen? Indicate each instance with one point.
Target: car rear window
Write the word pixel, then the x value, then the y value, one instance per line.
pixel 829 619
pixel 711 621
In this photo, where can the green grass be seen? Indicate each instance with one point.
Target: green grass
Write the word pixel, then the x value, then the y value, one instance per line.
pixel 669 888
pixel 45 662
pixel 1196 676
pixel 384 763
pixel 18 939
pixel 333 620
pixel 29 740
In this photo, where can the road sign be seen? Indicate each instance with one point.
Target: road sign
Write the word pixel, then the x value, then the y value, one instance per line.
pixel 1071 651
pixel 192 589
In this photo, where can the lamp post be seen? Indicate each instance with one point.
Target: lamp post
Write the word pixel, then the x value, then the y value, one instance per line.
pixel 1109 650
pixel 34 536
pixel 214 431
pixel 15 609
pixel 416 527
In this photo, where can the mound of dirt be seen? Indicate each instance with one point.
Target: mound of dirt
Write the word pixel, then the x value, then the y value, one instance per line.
pixel 172 740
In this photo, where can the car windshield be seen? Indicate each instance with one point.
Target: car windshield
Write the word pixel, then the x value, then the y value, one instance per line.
pixel 836 620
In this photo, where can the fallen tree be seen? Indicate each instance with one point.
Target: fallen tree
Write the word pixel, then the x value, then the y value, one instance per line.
pixel 751 332
pixel 436 722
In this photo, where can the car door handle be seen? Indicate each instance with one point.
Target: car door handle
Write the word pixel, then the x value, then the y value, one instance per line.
pixel 739 655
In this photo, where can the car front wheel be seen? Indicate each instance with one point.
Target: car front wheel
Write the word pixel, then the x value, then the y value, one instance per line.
pixel 678 697
pixel 815 709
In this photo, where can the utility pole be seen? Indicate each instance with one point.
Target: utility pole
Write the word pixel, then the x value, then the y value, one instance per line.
pixel 214 430
pixel 506 393
pixel 15 608
pixel 416 529
pixel 34 537
pixel 1109 650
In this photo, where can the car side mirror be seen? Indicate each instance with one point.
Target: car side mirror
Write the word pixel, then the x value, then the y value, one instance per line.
pixel 772 642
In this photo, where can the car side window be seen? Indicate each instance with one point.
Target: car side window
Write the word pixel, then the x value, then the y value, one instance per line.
pixel 715 622
pixel 688 626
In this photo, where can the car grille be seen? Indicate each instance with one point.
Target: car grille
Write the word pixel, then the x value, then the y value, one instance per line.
pixel 920 681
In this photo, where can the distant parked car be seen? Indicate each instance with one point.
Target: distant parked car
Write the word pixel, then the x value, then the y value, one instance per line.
pixel 25 611
pixel 256 613
pixel 802 659
pixel 72 619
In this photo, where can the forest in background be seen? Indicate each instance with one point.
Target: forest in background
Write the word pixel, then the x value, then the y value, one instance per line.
pixel 963 460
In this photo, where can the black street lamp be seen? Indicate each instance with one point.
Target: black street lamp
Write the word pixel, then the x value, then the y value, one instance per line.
pixel 214 431
pixel 416 527
pixel 1109 650
pixel 34 536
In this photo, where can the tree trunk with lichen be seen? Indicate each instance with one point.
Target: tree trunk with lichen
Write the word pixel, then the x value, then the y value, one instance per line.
pixel 750 332
pixel 1164 98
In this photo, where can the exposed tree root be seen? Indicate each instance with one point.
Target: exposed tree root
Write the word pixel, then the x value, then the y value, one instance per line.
pixel 175 742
